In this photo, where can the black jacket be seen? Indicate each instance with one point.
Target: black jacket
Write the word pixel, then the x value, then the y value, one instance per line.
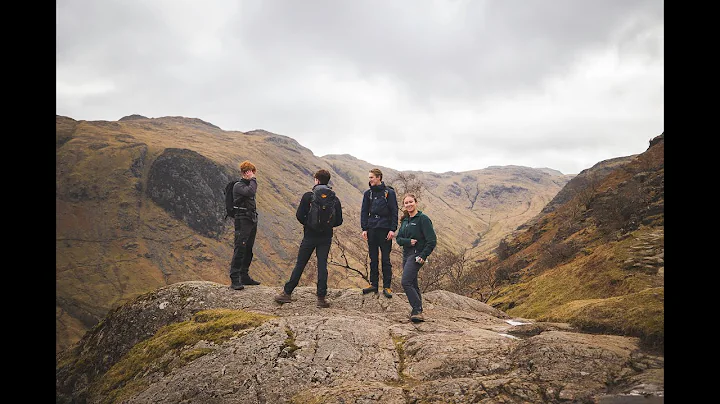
pixel 244 193
pixel 302 212
pixel 376 212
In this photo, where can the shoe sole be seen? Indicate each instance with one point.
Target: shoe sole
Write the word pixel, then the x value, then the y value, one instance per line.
pixel 417 320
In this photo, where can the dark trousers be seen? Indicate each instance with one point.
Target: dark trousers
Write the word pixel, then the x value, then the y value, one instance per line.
pixel 245 231
pixel 410 282
pixel 377 241
pixel 321 246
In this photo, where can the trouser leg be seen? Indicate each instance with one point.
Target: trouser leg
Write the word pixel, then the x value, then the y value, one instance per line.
pixel 385 247
pixel 410 282
pixel 373 255
pixel 304 253
pixel 248 255
pixel 321 253
pixel 243 228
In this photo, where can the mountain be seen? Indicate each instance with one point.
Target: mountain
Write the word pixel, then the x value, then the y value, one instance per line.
pixel 139 206
pixel 200 342
pixel 594 256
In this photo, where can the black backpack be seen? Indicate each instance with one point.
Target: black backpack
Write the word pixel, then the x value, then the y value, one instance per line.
pixel 321 216
pixel 386 208
pixel 229 202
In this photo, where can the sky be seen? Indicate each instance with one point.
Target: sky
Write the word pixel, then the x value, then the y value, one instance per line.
pixel 422 85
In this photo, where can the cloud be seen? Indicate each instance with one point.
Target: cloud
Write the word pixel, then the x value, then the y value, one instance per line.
pixel 466 84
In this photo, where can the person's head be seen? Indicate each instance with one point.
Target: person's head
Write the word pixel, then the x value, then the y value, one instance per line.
pixel 375 176
pixel 323 176
pixel 247 166
pixel 409 202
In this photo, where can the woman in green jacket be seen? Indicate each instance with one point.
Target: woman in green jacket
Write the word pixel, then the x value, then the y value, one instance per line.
pixel 417 237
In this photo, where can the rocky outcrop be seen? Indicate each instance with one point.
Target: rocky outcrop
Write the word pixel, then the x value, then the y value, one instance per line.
pixel 190 187
pixel 362 349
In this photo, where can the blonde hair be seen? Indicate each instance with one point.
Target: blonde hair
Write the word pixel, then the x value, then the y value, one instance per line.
pixel 247 165
pixel 405 213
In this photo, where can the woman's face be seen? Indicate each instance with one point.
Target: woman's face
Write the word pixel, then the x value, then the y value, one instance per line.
pixel 410 204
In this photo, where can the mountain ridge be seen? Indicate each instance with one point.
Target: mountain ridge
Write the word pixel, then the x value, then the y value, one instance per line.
pixel 119 235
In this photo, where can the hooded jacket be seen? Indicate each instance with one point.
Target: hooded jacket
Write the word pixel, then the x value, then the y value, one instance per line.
pixel 377 212
pixel 420 228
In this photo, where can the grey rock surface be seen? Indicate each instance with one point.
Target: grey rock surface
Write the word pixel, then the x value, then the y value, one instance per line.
pixel 363 349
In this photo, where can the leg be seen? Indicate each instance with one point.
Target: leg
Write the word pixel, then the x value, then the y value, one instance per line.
pixel 304 253
pixel 321 253
pixel 248 256
pixel 385 247
pixel 373 254
pixel 242 233
pixel 409 283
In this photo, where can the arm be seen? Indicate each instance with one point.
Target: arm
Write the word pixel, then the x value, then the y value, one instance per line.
pixel 338 214
pixel 402 241
pixel 430 238
pixel 303 208
pixel 245 188
pixel 364 211
pixel 393 205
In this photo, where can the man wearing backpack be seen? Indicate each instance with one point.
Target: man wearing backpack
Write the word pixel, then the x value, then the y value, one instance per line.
pixel 318 226
pixel 246 217
pixel 378 220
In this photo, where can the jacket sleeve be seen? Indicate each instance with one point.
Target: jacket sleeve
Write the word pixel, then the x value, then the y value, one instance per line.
pixel 303 208
pixel 402 241
pixel 245 188
pixel 392 200
pixel 430 237
pixel 338 214
pixel 365 210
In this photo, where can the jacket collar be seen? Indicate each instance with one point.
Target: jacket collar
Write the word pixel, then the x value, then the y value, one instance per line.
pixel 379 187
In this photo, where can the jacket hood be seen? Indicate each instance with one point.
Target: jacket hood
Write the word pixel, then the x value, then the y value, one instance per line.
pixel 321 186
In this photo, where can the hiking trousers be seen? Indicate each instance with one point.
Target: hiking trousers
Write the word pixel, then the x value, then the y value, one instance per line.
pixel 321 246
pixel 377 242
pixel 410 281
pixel 245 231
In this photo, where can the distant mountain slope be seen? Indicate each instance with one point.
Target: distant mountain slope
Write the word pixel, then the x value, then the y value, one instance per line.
pixel 595 256
pixel 139 206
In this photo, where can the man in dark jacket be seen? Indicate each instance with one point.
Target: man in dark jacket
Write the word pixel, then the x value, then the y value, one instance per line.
pixel 245 227
pixel 319 241
pixel 379 220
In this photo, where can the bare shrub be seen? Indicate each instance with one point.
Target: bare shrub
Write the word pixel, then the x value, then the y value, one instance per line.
pixel 557 253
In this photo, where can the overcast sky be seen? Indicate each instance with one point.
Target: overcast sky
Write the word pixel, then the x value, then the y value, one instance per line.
pixel 431 85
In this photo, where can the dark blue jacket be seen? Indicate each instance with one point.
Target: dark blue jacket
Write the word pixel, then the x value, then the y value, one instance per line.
pixel 376 211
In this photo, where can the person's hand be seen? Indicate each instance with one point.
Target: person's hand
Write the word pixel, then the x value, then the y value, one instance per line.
pixel 364 235
pixel 390 235
pixel 413 241
pixel 248 174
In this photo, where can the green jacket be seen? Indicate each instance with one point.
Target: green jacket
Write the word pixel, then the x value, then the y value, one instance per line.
pixel 420 228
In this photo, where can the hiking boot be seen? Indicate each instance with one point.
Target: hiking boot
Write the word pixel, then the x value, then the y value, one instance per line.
pixel 247 280
pixel 417 317
pixel 283 298
pixel 322 303
pixel 371 289
pixel 236 285
pixel 387 292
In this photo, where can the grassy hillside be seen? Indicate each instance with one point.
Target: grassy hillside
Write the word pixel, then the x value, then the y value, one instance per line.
pixel 596 260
